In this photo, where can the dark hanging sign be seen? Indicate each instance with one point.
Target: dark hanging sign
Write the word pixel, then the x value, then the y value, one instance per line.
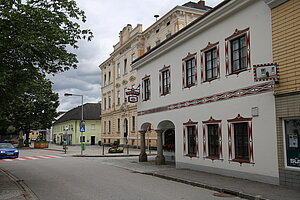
pixel 133 94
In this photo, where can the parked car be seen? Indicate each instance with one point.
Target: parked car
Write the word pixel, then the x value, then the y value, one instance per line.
pixel 7 150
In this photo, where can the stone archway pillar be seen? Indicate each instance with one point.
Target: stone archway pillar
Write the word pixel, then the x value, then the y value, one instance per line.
pixel 160 158
pixel 143 155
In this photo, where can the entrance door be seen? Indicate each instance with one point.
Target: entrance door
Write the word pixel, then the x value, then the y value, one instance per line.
pixel 93 140
pixel 125 130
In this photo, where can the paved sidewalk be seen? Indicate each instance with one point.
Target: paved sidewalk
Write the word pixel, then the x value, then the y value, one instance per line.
pixel 96 151
pixel 240 187
pixel 13 189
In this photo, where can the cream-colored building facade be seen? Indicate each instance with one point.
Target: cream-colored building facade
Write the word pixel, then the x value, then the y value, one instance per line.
pixel 119 117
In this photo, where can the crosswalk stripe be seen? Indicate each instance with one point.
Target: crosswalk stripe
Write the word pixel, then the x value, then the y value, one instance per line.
pixel 30 158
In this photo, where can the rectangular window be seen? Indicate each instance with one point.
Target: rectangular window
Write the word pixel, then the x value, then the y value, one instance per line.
pixel 82 138
pixel 165 84
pixel 93 126
pixel 211 64
pixel 109 127
pixel 213 140
pixel 125 66
pixel 190 72
pixel 191 135
pixel 118 97
pixel 292 142
pixel 109 77
pixel 119 125
pixel 109 102
pixel 104 127
pixel 125 96
pixel 239 54
pixel 104 104
pixel 241 143
pixel 104 80
pixel 133 123
pixel 118 70
pixel 146 89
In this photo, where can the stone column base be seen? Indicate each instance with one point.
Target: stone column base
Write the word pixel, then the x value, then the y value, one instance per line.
pixel 160 160
pixel 143 157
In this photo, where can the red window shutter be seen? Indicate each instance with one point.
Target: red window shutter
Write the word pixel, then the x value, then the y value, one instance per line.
pixel 160 83
pixel 183 75
pixel 195 69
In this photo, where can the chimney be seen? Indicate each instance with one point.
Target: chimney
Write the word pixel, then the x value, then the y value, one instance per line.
pixel 202 3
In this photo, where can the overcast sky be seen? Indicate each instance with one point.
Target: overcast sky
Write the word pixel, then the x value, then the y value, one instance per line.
pixel 106 18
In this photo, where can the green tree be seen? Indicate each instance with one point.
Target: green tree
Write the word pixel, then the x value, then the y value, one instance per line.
pixel 36 37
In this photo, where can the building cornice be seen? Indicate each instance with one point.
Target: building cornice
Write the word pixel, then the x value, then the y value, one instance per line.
pixel 274 3
pixel 214 16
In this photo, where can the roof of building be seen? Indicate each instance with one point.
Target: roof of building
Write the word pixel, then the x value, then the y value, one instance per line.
pixel 220 5
pixel 91 111
pixel 200 5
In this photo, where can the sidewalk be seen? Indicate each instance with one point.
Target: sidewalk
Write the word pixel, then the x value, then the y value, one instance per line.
pixel 239 187
pixel 13 189
pixel 96 151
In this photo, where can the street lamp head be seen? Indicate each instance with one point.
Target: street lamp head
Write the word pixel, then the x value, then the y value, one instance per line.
pixel 68 94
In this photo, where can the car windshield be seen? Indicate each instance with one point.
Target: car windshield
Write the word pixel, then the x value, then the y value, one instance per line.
pixel 6 146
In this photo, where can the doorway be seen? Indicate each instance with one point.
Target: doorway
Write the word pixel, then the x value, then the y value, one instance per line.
pixel 93 140
pixel 125 130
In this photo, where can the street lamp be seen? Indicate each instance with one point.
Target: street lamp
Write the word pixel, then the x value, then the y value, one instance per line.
pixel 81 123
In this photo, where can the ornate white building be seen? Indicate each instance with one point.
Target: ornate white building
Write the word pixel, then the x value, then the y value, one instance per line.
pixel 200 85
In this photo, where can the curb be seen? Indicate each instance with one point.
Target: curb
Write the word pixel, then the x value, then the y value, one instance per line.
pixel 28 194
pixel 103 156
pixel 205 186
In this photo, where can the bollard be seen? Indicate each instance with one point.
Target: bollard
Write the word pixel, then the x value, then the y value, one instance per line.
pixel 127 149
pixel 103 150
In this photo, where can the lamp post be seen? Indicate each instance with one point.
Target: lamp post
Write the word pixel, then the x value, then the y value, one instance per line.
pixel 81 123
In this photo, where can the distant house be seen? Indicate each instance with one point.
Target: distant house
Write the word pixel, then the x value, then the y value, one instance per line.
pixel 68 126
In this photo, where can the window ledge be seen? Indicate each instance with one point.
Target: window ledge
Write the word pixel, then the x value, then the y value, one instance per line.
pixel 189 86
pixel 162 95
pixel 210 80
pixel 241 161
pixel 238 71
pixel 213 158
pixel 191 155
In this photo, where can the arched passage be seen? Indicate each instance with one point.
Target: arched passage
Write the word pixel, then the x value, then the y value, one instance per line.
pixel 167 128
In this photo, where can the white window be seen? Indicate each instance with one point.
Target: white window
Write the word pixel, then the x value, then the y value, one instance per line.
pixel 125 97
pixel 118 70
pixel 118 97
pixel 125 66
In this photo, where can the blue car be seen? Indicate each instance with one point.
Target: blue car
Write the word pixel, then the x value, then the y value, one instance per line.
pixel 7 150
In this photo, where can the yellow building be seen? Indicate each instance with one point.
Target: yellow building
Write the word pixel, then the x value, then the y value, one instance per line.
pixel 118 116
pixel 68 126
pixel 286 51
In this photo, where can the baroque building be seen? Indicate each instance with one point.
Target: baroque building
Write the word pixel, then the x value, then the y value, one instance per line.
pixel 119 117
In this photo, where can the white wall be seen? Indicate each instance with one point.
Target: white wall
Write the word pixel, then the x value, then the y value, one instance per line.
pixel 257 16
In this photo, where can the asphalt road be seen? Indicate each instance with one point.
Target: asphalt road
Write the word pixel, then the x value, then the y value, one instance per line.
pixel 90 178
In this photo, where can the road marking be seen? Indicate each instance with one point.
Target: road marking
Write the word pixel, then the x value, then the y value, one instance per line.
pixel 30 158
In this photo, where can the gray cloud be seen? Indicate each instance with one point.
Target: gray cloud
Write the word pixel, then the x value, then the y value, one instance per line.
pixel 105 18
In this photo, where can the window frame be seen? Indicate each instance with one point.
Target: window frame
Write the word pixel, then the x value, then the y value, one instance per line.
pixel 186 139
pixel 165 83
pixel 146 85
pixel 125 66
pixel 118 97
pixel 237 35
pixel 118 70
pixel 232 143
pixel 209 48
pixel 190 58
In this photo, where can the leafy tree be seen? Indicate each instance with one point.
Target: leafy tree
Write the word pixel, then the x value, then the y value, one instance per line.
pixel 36 37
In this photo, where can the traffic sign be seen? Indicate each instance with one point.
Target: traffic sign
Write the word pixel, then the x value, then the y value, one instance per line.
pixel 82 128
